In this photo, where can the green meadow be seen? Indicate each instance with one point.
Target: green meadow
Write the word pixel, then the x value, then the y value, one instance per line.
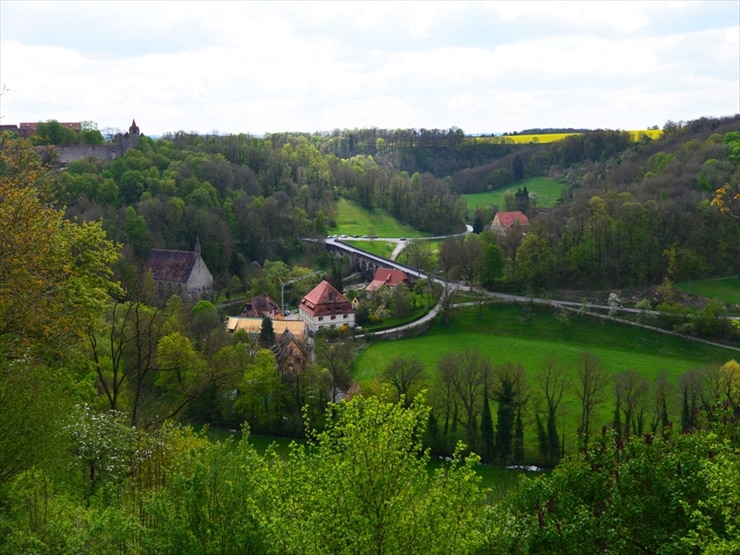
pixel 547 190
pixel 378 247
pixel 500 333
pixel 353 219
pixel 725 289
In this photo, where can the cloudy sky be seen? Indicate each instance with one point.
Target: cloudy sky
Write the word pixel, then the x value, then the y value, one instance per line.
pixel 256 67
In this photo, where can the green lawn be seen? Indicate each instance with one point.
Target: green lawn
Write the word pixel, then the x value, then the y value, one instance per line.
pixel 724 289
pixel 500 334
pixel 378 247
pixel 548 191
pixel 352 219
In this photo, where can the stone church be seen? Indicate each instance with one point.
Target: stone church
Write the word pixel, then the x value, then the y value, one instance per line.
pixel 182 273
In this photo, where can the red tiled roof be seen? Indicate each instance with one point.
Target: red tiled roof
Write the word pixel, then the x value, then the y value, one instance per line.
pixel 505 219
pixel 74 126
pixel 169 265
pixel 387 276
pixel 324 299
pixel 261 306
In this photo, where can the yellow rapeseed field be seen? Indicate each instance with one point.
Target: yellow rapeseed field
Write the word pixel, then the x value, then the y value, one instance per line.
pixel 554 137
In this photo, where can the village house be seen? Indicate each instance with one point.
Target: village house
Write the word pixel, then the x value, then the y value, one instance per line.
pixel 325 307
pixel 504 220
pixel 261 306
pixel 180 273
pixel 387 277
pixel 291 355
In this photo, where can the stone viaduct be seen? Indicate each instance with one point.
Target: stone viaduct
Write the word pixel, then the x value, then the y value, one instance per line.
pixel 367 263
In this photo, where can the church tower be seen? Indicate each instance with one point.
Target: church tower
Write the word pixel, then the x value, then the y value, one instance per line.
pixel 131 138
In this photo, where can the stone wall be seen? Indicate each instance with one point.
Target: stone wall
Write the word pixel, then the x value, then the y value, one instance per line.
pixel 105 153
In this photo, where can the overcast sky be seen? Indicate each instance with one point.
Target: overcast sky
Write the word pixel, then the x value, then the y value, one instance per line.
pixel 256 67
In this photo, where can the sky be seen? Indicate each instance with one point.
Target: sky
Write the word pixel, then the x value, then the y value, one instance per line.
pixel 267 67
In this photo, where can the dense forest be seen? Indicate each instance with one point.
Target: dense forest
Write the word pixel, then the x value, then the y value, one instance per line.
pixel 98 381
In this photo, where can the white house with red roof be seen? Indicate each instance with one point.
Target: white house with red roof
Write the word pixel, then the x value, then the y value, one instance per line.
pixel 387 277
pixel 504 220
pixel 325 307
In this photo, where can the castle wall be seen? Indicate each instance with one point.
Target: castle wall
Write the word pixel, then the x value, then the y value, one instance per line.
pixel 105 153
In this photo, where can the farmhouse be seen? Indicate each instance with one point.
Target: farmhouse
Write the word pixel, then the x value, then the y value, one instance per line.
pixel 387 277
pixel 180 273
pixel 261 306
pixel 504 220
pixel 325 307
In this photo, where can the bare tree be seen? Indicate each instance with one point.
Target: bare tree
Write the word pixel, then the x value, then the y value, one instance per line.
pixel 552 381
pixel 509 391
pixel 464 375
pixel 406 376
pixel 125 359
pixel 448 257
pixel 510 242
pixel 418 254
pixel 470 257
pixel 718 385
pixel 690 384
pixel 631 391
pixel 590 386
pixel 336 355
pixel 661 393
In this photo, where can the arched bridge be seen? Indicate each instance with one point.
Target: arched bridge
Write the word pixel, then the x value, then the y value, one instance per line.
pixel 367 263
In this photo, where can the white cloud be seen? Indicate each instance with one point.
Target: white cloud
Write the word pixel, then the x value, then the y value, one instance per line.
pixel 266 66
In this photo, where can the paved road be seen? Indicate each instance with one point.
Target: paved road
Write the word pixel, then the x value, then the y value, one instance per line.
pixel 610 312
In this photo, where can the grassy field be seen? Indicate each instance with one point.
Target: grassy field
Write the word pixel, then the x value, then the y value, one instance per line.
pixel 377 247
pixel 547 190
pixel 499 333
pixel 724 289
pixel 554 137
pixel 352 219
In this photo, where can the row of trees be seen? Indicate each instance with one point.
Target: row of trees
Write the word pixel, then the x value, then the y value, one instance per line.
pixel 54 133
pixel 486 405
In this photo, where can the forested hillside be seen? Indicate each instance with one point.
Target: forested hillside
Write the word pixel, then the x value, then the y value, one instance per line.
pixel 98 382
pixel 627 208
